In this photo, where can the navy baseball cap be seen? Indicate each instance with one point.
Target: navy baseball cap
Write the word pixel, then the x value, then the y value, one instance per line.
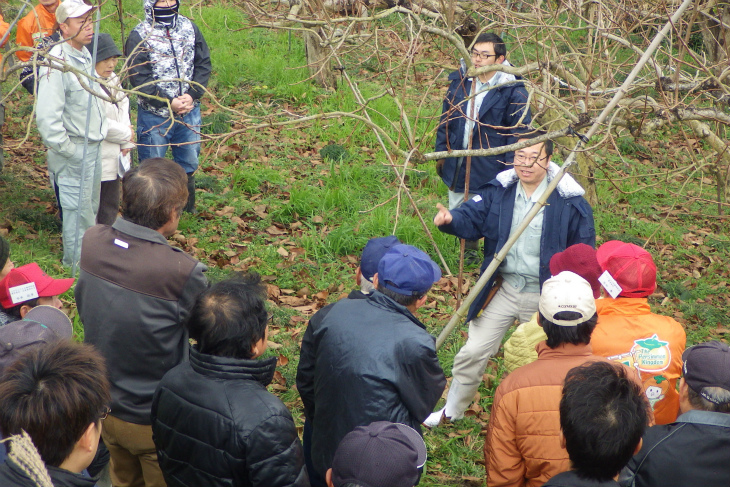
pixel 374 250
pixel 382 454
pixel 707 365
pixel 406 270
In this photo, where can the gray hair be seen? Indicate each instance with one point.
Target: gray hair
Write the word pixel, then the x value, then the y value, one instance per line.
pixel 366 287
pixel 714 399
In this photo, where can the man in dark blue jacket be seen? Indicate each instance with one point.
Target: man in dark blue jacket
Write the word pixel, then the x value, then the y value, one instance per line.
pixel 495 214
pixel 484 112
pixel 373 359
pixel 492 112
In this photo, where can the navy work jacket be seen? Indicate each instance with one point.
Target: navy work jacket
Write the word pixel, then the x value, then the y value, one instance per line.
pixel 499 115
pixel 567 221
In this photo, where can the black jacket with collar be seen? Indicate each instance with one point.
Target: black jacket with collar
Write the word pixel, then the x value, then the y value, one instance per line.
pixel 694 450
pixel 215 424
pixel 373 361
pixel 305 370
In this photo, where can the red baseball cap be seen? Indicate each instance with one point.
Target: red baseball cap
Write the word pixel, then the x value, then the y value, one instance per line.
pixel 45 285
pixel 631 267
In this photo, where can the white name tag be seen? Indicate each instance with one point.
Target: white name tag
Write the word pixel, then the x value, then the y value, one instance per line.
pixel 477 198
pixel 610 284
pixel 121 243
pixel 23 293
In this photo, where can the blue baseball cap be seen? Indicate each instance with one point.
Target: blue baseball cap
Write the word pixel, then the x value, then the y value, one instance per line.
pixel 406 270
pixel 374 250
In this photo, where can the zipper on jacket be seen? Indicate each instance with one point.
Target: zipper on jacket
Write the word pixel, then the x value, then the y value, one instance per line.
pixel 177 66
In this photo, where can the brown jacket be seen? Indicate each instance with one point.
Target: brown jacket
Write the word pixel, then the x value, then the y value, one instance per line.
pixel 523 440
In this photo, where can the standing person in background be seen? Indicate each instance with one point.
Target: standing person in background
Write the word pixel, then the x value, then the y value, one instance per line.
pixel 35 25
pixel 115 158
pixel 37 29
pixel 168 58
pixel 489 114
pixel 64 108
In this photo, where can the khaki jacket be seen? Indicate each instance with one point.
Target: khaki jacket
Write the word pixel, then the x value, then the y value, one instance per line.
pixel 62 103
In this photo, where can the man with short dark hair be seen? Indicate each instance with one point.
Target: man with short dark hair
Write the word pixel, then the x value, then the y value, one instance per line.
pixel 374 360
pixel 65 115
pixel 495 214
pixel 490 109
pixel 522 446
pixel 603 413
pixel 694 449
pixel 213 420
pixel 133 294
pixel 484 112
pixel 59 395
pixel 381 454
pixel 364 274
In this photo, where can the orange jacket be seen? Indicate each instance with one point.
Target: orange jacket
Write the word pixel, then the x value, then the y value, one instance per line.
pixel 523 442
pixel 37 24
pixel 628 332
pixel 4 26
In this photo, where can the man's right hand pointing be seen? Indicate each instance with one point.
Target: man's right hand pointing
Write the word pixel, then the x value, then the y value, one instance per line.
pixel 443 217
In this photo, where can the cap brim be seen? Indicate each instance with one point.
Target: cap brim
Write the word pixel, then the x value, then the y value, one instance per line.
pixel 56 287
pixel 416 440
pixel 52 318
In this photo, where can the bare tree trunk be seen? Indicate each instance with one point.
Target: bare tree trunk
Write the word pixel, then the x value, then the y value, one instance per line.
pixel 318 59
pixel 716 36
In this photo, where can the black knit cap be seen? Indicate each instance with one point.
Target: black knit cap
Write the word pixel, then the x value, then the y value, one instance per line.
pixel 105 48
pixel 4 252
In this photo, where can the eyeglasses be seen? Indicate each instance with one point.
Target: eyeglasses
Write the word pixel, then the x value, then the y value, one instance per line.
pixel 528 161
pixel 105 414
pixel 481 54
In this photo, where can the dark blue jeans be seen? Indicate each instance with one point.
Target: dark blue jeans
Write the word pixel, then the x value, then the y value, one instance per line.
pixel 182 134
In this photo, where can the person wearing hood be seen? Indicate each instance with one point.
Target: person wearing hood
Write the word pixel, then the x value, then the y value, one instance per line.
pixel 566 219
pixel 169 65
pixel 484 112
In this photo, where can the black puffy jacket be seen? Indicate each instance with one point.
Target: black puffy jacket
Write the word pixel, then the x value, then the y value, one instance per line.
pixel 215 424
pixel 372 361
